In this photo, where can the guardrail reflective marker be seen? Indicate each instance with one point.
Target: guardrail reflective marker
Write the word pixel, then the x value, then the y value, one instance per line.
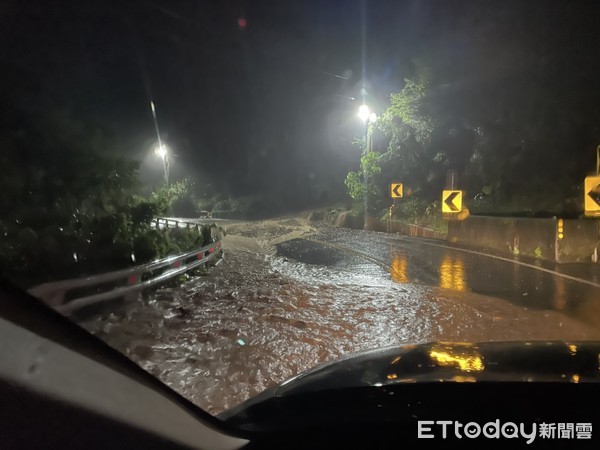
pixel 560 229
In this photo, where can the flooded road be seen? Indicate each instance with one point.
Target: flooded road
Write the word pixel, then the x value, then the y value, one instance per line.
pixel 289 296
pixel 572 289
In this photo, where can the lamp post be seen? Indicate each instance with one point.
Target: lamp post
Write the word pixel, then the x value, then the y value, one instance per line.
pixel 161 150
pixel 368 118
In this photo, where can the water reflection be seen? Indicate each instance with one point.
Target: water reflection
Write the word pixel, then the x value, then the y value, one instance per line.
pixel 464 357
pixel 463 379
pixel 452 273
pixel 531 287
pixel 560 293
pixel 399 268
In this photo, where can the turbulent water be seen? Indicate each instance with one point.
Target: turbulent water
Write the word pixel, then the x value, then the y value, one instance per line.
pixel 258 319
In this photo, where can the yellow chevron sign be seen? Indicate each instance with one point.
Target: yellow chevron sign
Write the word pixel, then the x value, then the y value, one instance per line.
pixel 451 201
pixel 396 190
pixel 591 195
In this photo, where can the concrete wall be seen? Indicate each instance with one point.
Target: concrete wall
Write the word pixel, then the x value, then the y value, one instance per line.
pixel 349 219
pixel 374 224
pixel 344 219
pixel 536 238
pixel 579 241
pixel 414 230
pixel 507 235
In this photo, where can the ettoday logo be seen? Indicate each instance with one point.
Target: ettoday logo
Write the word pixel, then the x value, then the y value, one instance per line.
pixel 430 429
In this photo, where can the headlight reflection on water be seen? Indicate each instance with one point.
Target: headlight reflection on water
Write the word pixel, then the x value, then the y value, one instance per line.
pixel 452 274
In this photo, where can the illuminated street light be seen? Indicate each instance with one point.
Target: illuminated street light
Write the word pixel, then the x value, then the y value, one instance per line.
pixel 364 113
pixel 162 153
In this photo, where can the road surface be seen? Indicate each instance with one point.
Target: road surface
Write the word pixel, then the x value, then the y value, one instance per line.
pixel 291 294
pixel 571 289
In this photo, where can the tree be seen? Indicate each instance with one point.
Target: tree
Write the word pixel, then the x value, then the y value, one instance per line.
pixel 369 165
pixel 68 207
pixel 512 111
pixel 178 198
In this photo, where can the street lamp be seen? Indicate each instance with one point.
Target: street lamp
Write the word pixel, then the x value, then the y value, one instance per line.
pixel 368 118
pixel 363 113
pixel 162 153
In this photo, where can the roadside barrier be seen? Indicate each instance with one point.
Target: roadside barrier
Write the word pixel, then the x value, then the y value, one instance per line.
pixel 67 296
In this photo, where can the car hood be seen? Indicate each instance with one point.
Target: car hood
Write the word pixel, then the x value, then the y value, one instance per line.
pixel 446 362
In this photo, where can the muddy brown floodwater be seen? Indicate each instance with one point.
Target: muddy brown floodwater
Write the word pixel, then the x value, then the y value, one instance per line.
pixel 258 319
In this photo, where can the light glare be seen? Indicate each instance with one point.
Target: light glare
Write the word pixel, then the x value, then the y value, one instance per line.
pixel 363 113
pixel 161 151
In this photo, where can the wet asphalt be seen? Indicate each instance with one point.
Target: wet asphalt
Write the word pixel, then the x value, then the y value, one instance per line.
pixel 571 289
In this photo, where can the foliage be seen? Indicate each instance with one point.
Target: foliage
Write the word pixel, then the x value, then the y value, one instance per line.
pixel 177 197
pixel 369 165
pixel 354 185
pixel 408 127
pixel 407 116
pixel 511 109
pixel 508 126
pixel 72 208
pixel 410 209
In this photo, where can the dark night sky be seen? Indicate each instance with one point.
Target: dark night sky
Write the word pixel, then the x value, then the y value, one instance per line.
pixel 259 106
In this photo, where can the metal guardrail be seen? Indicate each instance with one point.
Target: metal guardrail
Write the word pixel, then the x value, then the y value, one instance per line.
pixel 120 283
pixel 166 222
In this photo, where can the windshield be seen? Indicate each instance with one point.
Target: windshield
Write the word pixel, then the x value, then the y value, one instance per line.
pixel 233 192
